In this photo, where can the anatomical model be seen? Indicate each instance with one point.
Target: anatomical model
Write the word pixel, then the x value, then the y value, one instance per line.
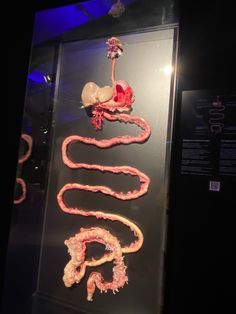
pixel 105 103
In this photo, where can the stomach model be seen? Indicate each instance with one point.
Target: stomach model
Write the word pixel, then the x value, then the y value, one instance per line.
pixel 106 103
pixel 28 139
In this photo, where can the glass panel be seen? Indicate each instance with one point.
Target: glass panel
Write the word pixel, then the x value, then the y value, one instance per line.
pixel 147 55
pixel 126 242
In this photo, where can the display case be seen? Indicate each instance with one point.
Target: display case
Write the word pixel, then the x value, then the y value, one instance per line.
pixel 91 195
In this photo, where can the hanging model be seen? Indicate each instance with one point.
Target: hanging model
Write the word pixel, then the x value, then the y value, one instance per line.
pixel 108 102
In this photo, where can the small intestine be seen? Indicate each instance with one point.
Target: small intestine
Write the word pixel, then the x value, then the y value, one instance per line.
pixel 104 106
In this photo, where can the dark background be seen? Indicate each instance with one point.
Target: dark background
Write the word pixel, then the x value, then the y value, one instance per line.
pixel 201 226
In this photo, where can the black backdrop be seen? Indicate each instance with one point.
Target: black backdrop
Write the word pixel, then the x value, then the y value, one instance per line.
pixel 200 245
pixel 201 225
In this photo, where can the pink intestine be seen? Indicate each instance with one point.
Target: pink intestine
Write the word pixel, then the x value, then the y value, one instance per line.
pixel 121 101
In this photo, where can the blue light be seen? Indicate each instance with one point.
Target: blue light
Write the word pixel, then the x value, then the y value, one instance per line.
pixel 28 129
pixel 36 77
pixel 98 8
pixel 54 22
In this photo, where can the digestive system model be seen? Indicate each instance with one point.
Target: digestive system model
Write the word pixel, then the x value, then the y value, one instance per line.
pixel 105 103
pixel 28 139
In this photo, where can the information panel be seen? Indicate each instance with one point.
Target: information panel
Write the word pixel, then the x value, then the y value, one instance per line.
pixel 208 135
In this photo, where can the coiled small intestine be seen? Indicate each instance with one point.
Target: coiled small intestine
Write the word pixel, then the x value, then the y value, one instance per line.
pixel 74 271
pixel 29 140
pixel 71 273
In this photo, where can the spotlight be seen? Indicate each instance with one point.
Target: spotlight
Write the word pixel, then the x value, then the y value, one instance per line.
pixel 47 78
pixel 168 70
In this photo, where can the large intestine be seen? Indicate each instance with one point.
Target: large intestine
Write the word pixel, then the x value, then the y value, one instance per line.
pixel 77 248
pixel 104 105
pixel 28 139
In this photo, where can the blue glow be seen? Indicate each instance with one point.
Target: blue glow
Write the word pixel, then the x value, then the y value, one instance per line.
pixel 28 129
pixel 37 77
pixel 54 22
pixel 99 8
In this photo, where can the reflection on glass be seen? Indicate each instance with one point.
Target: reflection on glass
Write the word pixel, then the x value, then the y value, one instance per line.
pixel 29 140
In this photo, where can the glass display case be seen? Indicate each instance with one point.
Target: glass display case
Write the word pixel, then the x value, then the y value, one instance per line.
pixel 91 195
